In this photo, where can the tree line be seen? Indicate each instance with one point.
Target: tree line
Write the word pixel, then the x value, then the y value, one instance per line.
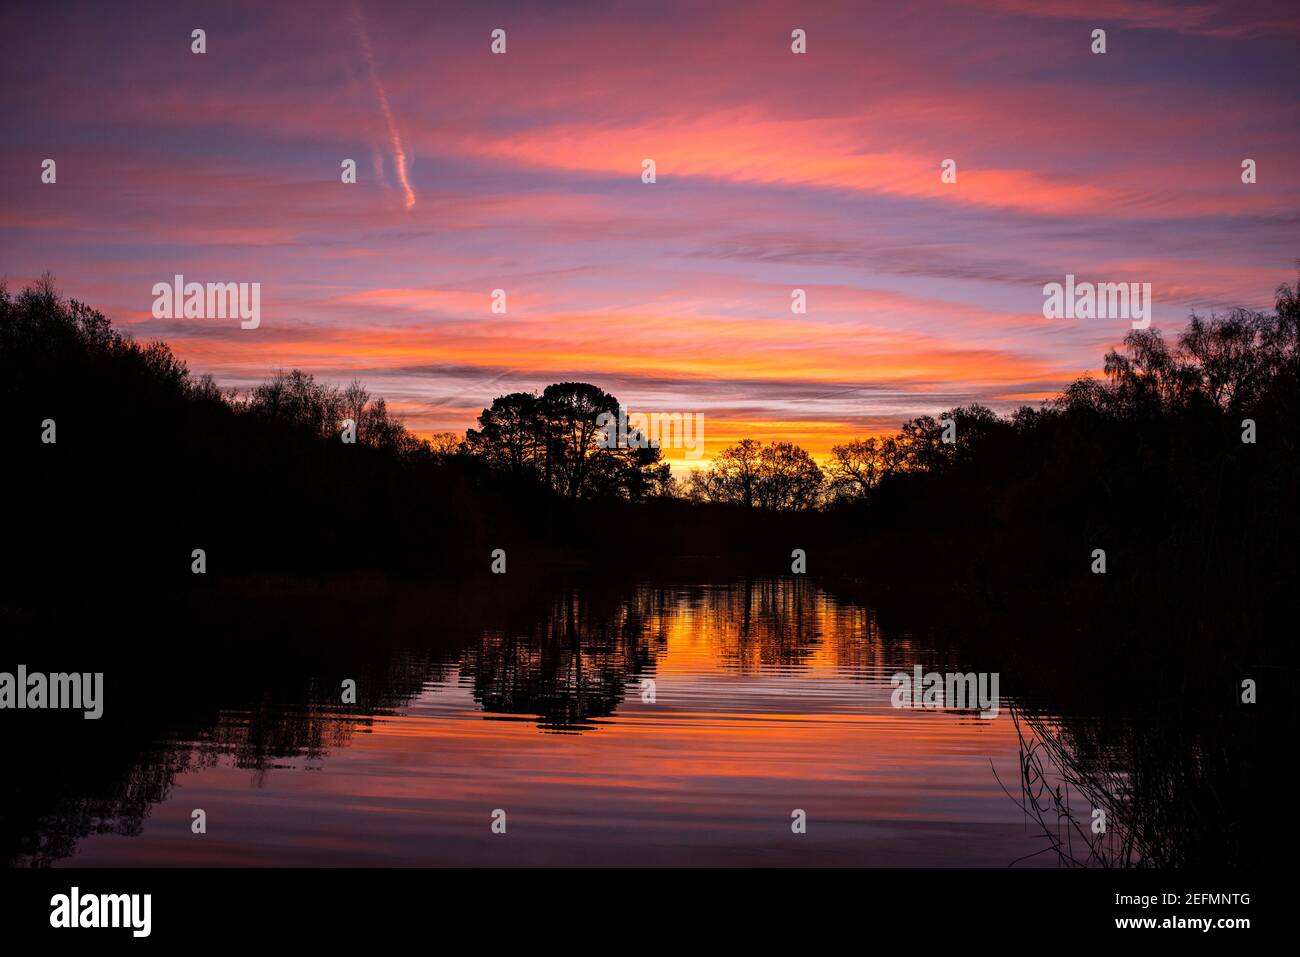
pixel 269 465
pixel 1220 368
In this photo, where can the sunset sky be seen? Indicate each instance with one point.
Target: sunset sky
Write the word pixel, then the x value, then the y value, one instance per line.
pixel 775 171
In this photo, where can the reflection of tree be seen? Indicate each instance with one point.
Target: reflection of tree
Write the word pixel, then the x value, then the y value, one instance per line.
pixel 567 666
pixel 855 638
pixel 48 806
pixel 59 791
pixel 567 658
pixel 765 622
pixel 308 720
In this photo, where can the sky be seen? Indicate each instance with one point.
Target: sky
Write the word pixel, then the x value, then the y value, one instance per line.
pixel 774 171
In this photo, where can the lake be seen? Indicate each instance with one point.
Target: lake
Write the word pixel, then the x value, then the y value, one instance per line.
pixel 637 723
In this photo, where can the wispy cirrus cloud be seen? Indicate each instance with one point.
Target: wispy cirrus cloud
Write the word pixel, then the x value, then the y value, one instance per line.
pixel 394 137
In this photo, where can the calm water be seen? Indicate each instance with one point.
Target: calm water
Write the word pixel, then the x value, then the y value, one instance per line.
pixel 769 696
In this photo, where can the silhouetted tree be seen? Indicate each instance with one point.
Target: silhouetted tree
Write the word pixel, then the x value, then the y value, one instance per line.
pixel 776 477
pixel 511 437
pixel 788 478
pixel 557 440
pixel 857 467
pixel 733 477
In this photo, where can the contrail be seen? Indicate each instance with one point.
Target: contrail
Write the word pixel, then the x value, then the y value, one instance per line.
pixel 394 138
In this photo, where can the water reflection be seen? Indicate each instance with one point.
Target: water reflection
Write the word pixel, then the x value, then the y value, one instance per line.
pixel 769 695
pixel 570 666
